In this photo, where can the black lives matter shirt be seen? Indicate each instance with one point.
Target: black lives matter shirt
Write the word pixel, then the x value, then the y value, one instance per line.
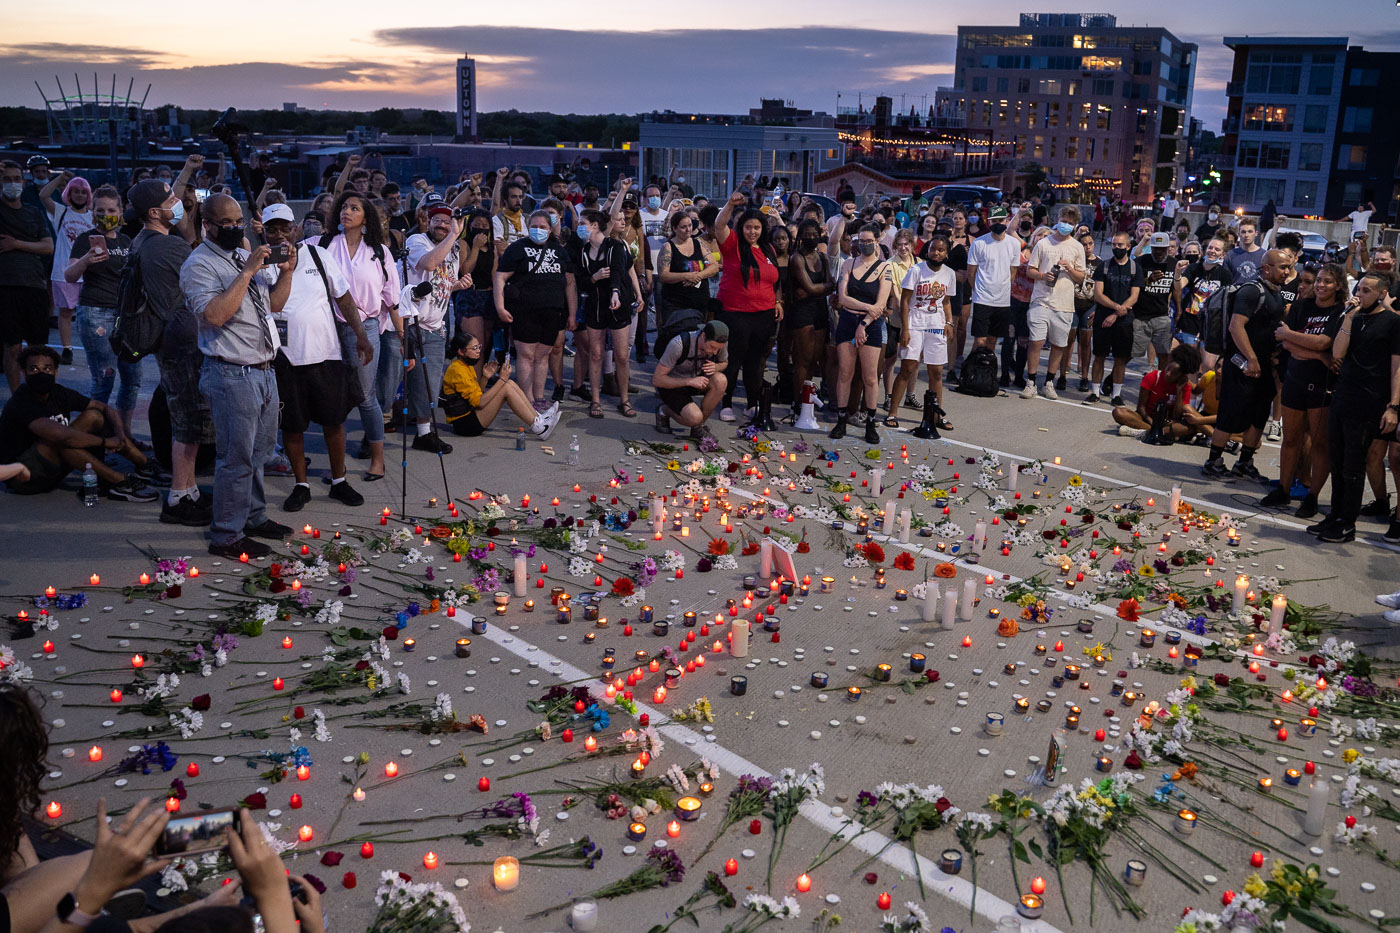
pixel 1306 317
pixel 537 275
pixel 1158 278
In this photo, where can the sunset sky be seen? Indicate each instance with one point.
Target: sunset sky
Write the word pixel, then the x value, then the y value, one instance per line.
pixel 576 58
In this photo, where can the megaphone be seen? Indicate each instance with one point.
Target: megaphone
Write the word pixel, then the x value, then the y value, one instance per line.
pixel 806 416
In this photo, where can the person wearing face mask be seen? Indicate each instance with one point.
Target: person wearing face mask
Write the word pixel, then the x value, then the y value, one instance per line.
pixel 1210 226
pixel 69 217
pixel 25 243
pixel 813 281
pixel 1056 266
pixel 863 292
pixel 902 259
pixel 1196 281
pixel 39 430
pixel 1118 284
pixel 926 310
pixel 474 309
pixel 1152 313
pixel 608 309
pixel 959 245
pixel 233 307
pixel 435 257
pixel 990 263
pixel 99 255
pixel 534 291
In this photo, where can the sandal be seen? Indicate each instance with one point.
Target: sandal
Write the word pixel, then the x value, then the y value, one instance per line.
pixel 891 422
pixel 627 410
pixel 595 410
pixel 373 477
pixel 944 424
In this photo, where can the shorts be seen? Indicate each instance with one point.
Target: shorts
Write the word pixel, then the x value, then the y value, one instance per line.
pixel 675 399
pixel 24 315
pixel 1244 402
pixel 926 346
pixel 1046 323
pixel 848 321
pixel 807 313
pixel 1115 340
pixel 317 392
pixel 1303 396
pixel 44 476
pixel 1189 324
pixel 1153 331
pixel 1083 318
pixel 65 294
pixel 990 320
pixel 469 425
pixel 190 418
pixel 471 302
pixel 538 326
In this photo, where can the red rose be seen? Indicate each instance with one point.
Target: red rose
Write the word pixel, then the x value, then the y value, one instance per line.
pixel 931 676
pixel 361 665
pixel 943 805
pixel 277 586
pixel 274 571
pixel 255 801
pixel 349 879
pixel 493 532
pixel 299 713
pixel 803 547
pixel 200 703
pixel 1086 519
pixel 391 632
pixel 331 859
pixel 1133 762
pixel 1222 680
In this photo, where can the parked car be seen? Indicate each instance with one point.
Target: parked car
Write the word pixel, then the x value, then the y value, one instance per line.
pixel 828 205
pixel 963 194
pixel 1314 244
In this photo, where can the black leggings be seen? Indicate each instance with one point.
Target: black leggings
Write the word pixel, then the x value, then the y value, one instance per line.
pixel 1350 431
pixel 750 339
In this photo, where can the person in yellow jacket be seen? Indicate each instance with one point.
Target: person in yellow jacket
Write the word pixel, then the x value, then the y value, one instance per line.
pixel 470 409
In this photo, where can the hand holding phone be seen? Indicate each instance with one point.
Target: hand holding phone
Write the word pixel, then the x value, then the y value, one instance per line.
pixel 206 831
pixel 278 254
pixel 97 248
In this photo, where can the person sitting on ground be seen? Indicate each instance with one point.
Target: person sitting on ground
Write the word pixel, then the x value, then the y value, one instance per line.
pixel 1165 397
pixel 470 409
pixel 692 362
pixel 38 430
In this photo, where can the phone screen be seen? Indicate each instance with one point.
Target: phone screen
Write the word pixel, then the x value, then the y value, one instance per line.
pixel 199 832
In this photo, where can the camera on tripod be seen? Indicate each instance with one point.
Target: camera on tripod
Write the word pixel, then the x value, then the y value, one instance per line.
pixel 226 131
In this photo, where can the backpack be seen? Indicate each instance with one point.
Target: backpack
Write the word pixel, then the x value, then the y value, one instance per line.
pixel 979 374
pixel 678 321
pixel 138 329
pixel 1215 328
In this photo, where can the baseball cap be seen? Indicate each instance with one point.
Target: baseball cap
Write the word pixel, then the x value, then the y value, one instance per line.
pixel 36 160
pixel 997 213
pixel 1163 240
pixel 278 212
pixel 438 207
pixel 144 195
pixel 717 330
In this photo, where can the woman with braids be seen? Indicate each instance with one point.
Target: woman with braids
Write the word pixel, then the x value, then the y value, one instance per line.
pixel 749 299
pixel 362 252
pixel 810 273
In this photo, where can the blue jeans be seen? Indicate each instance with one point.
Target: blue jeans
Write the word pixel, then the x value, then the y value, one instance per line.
pixel 371 414
pixel 423 393
pixel 390 369
pixel 244 404
pixel 95 330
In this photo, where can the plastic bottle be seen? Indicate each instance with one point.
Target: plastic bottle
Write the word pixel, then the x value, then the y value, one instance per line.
pixel 89 486
pixel 573 451
pixel 520 439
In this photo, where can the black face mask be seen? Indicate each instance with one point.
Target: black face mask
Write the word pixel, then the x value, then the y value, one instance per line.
pixel 1119 252
pixel 998 229
pixel 1027 228
pixel 40 383
pixel 228 238
pixel 809 243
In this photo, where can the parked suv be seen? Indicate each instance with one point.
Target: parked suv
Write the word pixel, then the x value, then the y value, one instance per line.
pixel 962 194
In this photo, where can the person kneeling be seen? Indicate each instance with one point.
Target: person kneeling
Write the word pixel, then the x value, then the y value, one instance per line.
pixel 470 409
pixel 692 362
pixel 1162 402
pixel 39 431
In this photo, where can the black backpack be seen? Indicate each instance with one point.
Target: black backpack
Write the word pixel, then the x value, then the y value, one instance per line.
pixel 979 374
pixel 678 321
pixel 138 330
pixel 1215 329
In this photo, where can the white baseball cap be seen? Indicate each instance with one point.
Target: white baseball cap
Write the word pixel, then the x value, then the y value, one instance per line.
pixel 278 212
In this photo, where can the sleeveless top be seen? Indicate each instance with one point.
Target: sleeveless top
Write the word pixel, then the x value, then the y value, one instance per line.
pixel 865 288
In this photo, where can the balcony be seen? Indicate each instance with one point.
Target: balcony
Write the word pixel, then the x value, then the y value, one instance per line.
pixel 941 169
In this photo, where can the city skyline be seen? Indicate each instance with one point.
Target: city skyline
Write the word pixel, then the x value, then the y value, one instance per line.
pixel 734 62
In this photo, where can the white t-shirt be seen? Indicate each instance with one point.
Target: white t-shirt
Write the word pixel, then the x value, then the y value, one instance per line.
pixel 1059 294
pixel 503 229
pixel 311 333
pixel 654 228
pixel 1169 208
pixel 930 288
pixel 1359 220
pixel 995 260
pixel 68 225
pixel 432 310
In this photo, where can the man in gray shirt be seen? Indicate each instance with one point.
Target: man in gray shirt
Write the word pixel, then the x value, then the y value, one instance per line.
pixel 691 363
pixel 233 307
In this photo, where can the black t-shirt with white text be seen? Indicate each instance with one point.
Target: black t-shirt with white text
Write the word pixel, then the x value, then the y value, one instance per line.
pixel 537 275
pixel 1307 318
pixel 24 408
pixel 101 279
pixel 1364 378
pixel 1158 278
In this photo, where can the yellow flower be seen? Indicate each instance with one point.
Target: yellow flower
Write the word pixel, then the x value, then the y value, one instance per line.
pixel 1295 888
pixel 1350 755
pixel 1312 873
pixel 1188 683
pixel 1277 871
pixel 1254 886
pixel 1146 571
pixel 673 464
pixel 1075 480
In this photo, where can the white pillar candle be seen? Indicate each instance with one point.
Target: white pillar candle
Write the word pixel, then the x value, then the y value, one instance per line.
pixel 979 537
pixel 1276 610
pixel 950 607
pixel 765 559
pixel 887 526
pixel 1011 472
pixel 584 918
pixel 1241 588
pixel 877 480
pixel 658 512
pixel 505 873
pixel 969 594
pixel 521 575
pixel 1316 815
pixel 905 519
pixel 739 638
pixel 1174 507
pixel 929 610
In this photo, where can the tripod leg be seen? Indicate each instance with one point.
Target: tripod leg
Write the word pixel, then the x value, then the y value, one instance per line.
pixel 403 458
pixel 432 410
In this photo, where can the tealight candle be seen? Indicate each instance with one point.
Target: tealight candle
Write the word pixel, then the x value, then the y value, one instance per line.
pixel 391 769
pixel 1031 906
pixel 637 832
pixel 1185 822
pixel 54 810
pixel 883 672
pixel 1292 777
pixel 853 694
pixel 464 648
pixel 916 663
pixel 688 808
pixel 95 753
pixel 409 644
pixel 505 873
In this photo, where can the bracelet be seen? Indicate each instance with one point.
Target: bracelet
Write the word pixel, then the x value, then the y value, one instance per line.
pixel 1347 332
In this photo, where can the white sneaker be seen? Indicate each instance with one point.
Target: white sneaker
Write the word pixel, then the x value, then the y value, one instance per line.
pixel 1389 600
pixel 1028 391
pixel 1273 430
pixel 549 418
pixel 1125 431
pixel 726 414
pixel 1393 616
pixel 1048 390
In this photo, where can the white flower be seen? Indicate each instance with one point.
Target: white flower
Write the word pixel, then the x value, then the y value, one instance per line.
pixel 266 613
pixel 329 614
pixel 323 734
pixel 672 560
pixel 578 567
pixel 294 736
pixel 188 721
pixel 174 878
pixel 726 562
pixel 442 707
pixel 1350 835
pixel 220 657
pixel 404 686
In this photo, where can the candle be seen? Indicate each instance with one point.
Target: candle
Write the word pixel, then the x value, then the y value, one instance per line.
pixel 673 829
pixel 917 662
pixel 303 773
pixel 1031 906
pixel 950 862
pixel 765 558
pixel 521 575
pixel 366 849
pixel 1276 610
pixel 979 537
pixel 1148 638
pixel 95 753
pixel 637 832
pixel 294 801
pixel 688 808
pixel 192 770
pixel 1185 822
pixel 54 810
pixel 584 917
pixel 1316 814
pixel 739 638
pixel 590 744
pixel 883 672
pixel 969 596
pixel 804 883
pixel 305 833
pixel 464 648
pixel 359 795
pixel 883 901
pixel 738 685
pixel 1241 588
pixel 1292 777
pixel 877 483
pixel 391 769
pixel 853 694
pixel 994 723
pixel 929 609
pixel 819 680
pixel 505 873
pixel 1135 873
pixel 430 860
pixel 137 661
pixel 906 517
pixel 950 607
pixel 1011 471
pixel 409 644
pixel 731 867
pixel 116 695
pixel 1103 764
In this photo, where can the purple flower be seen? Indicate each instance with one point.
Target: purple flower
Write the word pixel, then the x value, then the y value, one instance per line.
pixel 1123 565
pixel 709 444
pixel 225 641
pixel 303 597
pixel 488 580
pixel 349 575
pixel 477 553
pixel 1161 566
pixel 197 654
pixel 669 862
pixel 428 573
pixel 866 799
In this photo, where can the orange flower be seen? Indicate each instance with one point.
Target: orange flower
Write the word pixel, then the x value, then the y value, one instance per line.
pixel 1187 771
pixel 945 570
pixel 440 531
pixel 1128 610
pixel 904 561
pixel 718 548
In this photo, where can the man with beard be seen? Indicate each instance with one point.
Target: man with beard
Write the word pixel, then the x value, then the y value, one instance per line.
pixel 434 257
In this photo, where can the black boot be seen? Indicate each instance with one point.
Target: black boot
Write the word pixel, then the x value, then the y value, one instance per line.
pixel 763 416
pixel 839 431
pixel 928 427
pixel 872 431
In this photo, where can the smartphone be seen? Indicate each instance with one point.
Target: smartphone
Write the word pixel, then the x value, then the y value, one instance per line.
pixel 199 832
pixel 97 244
pixel 279 254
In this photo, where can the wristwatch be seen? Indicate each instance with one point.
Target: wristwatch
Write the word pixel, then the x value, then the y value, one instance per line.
pixel 69 913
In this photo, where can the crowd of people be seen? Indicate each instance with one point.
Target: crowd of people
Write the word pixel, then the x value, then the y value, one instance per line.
pixel 431 313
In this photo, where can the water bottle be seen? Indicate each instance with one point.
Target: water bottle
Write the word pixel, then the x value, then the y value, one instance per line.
pixel 520 439
pixel 573 451
pixel 89 486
